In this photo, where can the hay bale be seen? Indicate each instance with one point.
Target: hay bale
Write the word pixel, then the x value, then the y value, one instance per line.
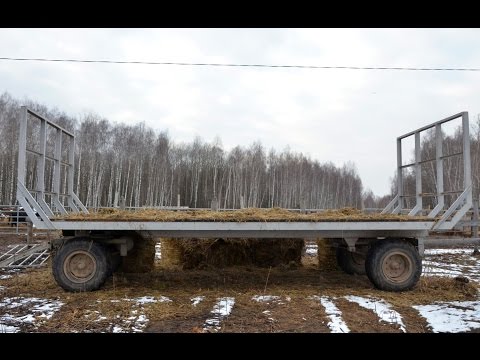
pixel 197 253
pixel 275 252
pixel 141 259
pixel 172 253
pixel 326 255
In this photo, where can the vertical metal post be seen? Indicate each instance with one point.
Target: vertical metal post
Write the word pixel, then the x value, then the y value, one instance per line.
pixel 29 232
pixel 475 227
pixel 70 174
pixel 398 209
pixel 467 169
pixel 56 172
pixel 22 146
pixel 41 169
pixel 439 163
pixel 418 176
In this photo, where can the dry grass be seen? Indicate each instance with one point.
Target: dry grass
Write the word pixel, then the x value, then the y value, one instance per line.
pixel 240 282
pixel 243 215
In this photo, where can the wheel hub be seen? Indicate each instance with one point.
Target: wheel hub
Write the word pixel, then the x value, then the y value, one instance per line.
pixel 397 267
pixel 80 266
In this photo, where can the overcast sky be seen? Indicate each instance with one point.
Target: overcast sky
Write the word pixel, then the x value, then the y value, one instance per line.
pixel 331 115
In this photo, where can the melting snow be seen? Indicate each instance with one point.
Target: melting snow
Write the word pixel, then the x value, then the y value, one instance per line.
pixel 158 251
pixel 150 299
pixel 30 309
pixel 266 298
pixel 451 317
pixel 311 249
pixel 222 309
pixel 381 308
pixel 336 323
pixel 197 300
pixel 448 251
pixel 4 277
pixel 270 298
pixel 8 329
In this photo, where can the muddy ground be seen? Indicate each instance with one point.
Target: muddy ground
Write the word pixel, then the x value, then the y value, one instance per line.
pixel 246 299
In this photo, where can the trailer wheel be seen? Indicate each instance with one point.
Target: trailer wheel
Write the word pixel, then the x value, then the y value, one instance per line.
pixel 80 265
pixel 350 262
pixel 393 265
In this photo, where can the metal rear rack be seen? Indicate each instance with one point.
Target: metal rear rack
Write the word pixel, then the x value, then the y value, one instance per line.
pixel 33 199
pixel 463 202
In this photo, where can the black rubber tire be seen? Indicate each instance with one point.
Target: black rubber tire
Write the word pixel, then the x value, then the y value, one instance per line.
pixel 93 251
pixel 381 255
pixel 351 263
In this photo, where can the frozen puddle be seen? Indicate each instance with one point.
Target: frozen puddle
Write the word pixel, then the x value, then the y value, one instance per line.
pixel 336 323
pixel 221 310
pixel 19 311
pixel 197 300
pixel 270 299
pixel 383 309
pixel 452 317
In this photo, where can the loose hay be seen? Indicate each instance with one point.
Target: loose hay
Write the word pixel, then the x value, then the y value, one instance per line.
pixel 219 253
pixel 242 215
pixel 326 255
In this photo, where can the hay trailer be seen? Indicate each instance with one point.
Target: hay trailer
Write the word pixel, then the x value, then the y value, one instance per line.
pixel 388 251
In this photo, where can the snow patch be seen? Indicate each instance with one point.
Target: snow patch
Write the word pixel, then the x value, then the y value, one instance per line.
pixel 4 277
pixel 222 309
pixel 451 317
pixel 336 323
pixel 266 298
pixel 271 299
pixel 383 309
pixel 447 251
pixel 27 311
pixel 8 329
pixel 158 251
pixel 311 249
pixel 197 300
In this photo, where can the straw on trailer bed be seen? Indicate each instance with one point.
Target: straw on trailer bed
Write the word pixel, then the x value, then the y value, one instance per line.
pixel 241 215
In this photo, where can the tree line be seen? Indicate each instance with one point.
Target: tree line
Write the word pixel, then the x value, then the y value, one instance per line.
pixel 134 165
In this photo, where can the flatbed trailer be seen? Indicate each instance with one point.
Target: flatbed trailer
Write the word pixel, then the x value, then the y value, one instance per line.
pixel 388 251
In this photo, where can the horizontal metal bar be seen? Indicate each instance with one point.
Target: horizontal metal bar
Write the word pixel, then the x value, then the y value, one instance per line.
pixel 40 117
pixel 33 152
pixel 451 155
pixel 459 115
pixel 434 194
pixel 258 227
pixel 431 160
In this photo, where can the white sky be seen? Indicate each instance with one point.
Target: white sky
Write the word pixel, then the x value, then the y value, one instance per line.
pixel 331 115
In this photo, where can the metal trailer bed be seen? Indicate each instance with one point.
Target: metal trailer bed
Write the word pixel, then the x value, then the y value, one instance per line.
pixel 389 252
